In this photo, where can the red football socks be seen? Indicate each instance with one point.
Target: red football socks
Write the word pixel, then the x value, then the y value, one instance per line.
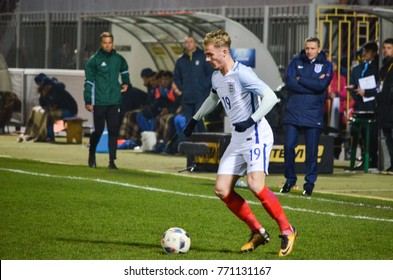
pixel 242 210
pixel 272 205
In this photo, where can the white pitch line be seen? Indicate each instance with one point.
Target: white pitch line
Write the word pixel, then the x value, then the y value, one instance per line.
pixel 358 204
pixel 187 194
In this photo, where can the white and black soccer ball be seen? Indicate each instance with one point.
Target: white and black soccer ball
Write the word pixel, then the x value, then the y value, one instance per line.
pixel 176 240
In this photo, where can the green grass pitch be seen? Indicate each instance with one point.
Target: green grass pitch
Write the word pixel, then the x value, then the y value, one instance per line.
pixel 70 212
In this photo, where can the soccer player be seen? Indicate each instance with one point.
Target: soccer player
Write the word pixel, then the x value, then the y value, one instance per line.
pixel 246 100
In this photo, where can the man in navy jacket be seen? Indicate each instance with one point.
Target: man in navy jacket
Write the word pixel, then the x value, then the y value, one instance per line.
pixel 309 75
pixel 192 77
pixel 365 98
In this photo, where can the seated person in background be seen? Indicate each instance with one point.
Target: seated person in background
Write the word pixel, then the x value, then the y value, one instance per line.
pixel 159 114
pixel 133 99
pixel 129 128
pixel 56 101
pixel 166 105
pixel 9 103
pixel 179 120
pixel 150 82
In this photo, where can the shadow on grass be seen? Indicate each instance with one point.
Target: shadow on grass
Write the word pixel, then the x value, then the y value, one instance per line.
pixel 138 244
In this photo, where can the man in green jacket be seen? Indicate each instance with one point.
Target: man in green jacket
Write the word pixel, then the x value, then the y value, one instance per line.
pixel 103 95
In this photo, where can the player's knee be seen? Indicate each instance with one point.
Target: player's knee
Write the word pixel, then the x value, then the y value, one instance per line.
pixel 221 191
pixel 255 184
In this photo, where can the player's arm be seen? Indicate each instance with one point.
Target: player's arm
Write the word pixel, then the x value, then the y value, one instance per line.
pixel 207 107
pixel 269 99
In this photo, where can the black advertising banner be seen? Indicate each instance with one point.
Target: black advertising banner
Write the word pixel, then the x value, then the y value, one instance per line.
pixel 218 142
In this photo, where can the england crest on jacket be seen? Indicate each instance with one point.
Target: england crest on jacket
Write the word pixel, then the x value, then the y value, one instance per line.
pixel 318 68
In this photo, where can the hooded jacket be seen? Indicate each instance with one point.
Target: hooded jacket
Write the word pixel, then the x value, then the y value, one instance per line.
pixel 306 96
pixel 102 86
pixel 59 98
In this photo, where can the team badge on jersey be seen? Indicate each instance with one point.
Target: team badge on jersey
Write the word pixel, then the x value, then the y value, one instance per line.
pixel 231 88
pixel 318 68
pixel 196 62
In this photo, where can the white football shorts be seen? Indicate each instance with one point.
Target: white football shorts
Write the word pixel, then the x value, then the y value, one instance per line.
pixel 248 151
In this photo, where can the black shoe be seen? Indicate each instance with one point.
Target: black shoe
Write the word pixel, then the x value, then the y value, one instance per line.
pixel 112 165
pixel 307 193
pixel 92 161
pixel 308 189
pixel 286 188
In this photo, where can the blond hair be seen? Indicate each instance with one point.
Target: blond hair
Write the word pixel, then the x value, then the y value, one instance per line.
pixel 314 40
pixel 219 38
pixel 106 34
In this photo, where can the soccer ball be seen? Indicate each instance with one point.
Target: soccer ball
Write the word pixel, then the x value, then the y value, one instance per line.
pixel 176 240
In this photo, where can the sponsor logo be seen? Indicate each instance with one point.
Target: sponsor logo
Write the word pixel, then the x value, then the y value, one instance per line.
pixel 288 248
pixel 212 156
pixel 277 154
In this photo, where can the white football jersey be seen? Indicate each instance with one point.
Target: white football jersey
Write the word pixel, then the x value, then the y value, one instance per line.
pixel 239 91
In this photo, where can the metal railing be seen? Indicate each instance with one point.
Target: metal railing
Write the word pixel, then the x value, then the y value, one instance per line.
pixel 39 40
pixel 36 40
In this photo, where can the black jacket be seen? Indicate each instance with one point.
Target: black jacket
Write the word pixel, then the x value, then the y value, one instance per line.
pixel 385 97
pixel 356 74
pixel 59 98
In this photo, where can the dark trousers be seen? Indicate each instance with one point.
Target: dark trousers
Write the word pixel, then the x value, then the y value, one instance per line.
pixel 110 116
pixel 388 133
pixel 189 110
pixel 311 137
pixel 373 146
